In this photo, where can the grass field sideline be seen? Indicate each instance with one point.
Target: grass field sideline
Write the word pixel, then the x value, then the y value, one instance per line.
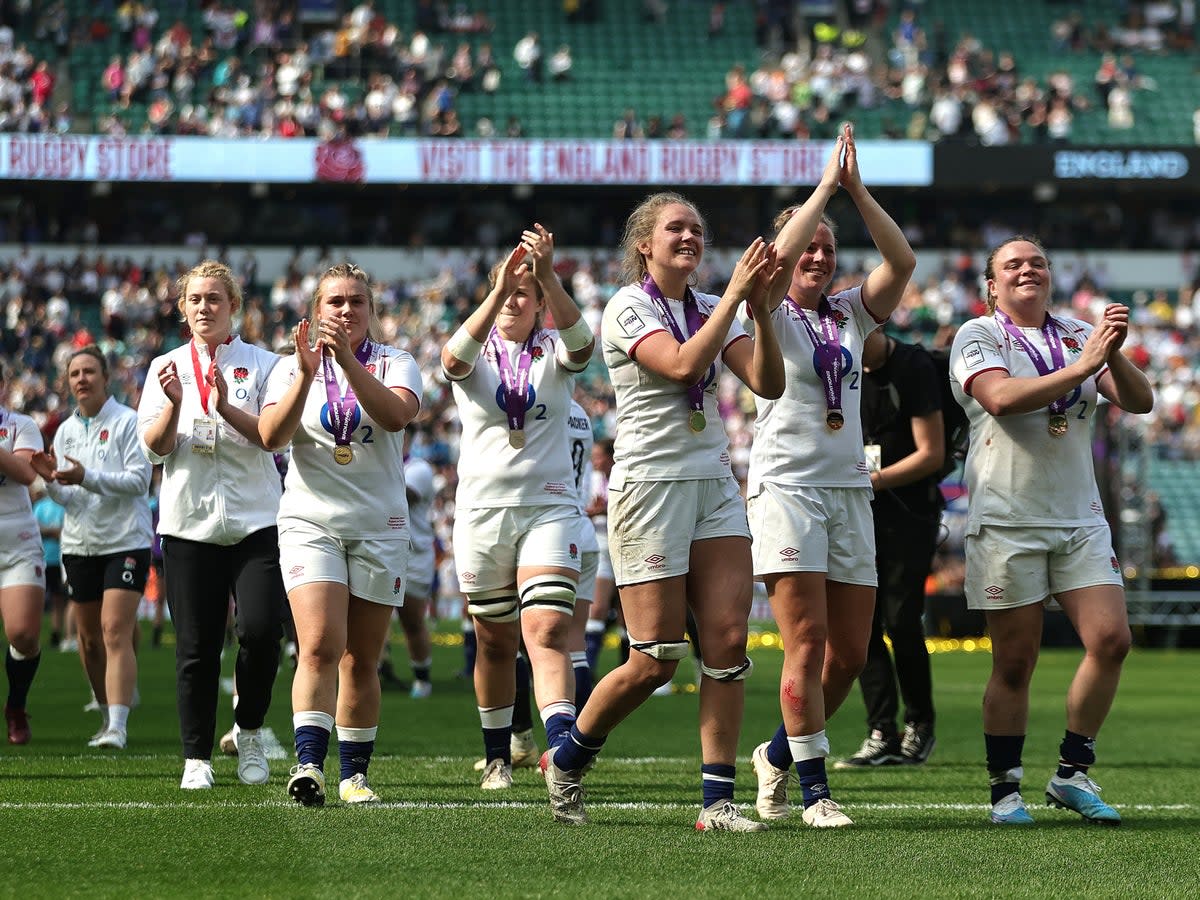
pixel 75 821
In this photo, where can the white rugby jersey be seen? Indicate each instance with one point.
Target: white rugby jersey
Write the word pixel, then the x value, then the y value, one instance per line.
pixel 654 442
pixel 491 473
pixel 17 522
pixel 792 443
pixel 109 512
pixel 366 498
pixel 579 431
pixel 1017 472
pixel 418 482
pixel 223 497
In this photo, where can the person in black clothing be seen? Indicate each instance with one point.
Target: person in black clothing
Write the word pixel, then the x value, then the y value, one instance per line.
pixel 903 430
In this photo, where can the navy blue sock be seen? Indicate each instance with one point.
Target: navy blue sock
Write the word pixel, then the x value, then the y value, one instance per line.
pixel 558 726
pixel 312 745
pixel 583 682
pixel 1076 753
pixel 355 756
pixel 779 752
pixel 594 642
pixel 20 677
pixel 422 672
pixel 522 705
pixel 470 645
pixel 577 750
pixel 717 782
pixel 1004 763
pixel 813 783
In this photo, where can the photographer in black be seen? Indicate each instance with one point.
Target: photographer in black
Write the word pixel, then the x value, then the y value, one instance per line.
pixel 905 436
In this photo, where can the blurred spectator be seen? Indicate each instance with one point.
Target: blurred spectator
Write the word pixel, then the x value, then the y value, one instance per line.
pixel 560 63
pixel 528 55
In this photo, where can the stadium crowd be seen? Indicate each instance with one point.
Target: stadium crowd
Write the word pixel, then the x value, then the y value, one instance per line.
pixel 260 71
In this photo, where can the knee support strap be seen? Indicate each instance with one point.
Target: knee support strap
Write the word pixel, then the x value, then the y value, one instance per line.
pixel 494 606
pixel 554 592
pixel 734 673
pixel 661 650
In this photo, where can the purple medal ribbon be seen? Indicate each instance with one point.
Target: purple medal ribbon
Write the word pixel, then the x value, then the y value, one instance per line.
pixel 516 384
pixel 341 409
pixel 827 356
pixel 1057 358
pixel 691 313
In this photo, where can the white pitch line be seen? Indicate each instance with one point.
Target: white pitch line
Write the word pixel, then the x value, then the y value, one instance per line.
pixel 510 804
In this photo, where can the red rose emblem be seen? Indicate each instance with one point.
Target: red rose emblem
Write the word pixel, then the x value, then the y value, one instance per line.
pixel 240 374
pixel 536 353
pixel 339 161
pixel 370 368
pixel 3 433
pixel 103 435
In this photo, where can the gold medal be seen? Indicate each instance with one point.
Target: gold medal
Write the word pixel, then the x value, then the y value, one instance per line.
pixel 516 438
pixel 835 420
pixel 1058 425
pixel 696 421
pixel 343 455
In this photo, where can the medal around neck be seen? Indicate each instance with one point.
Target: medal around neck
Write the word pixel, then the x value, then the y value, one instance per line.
pixel 696 421
pixel 516 438
pixel 343 455
pixel 835 420
pixel 1057 425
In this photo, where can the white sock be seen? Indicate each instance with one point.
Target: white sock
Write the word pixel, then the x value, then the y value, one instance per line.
pixel 118 717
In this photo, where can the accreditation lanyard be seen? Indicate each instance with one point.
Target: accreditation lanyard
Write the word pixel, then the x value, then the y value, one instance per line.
pixel 693 320
pixel 515 384
pixel 1049 329
pixel 202 378
pixel 343 407
pixel 827 357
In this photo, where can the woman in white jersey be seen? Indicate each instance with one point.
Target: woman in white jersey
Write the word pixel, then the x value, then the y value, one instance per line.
pixel 343 521
pixel 516 529
pixel 22 565
pixel 579 432
pixel 677 523
pixel 97 471
pixel 809 488
pixel 198 416
pixel 1035 527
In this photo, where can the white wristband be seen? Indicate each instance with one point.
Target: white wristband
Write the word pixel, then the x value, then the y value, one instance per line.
pixel 577 336
pixel 464 347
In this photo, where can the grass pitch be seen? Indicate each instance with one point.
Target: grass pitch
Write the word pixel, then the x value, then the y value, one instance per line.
pixel 97 823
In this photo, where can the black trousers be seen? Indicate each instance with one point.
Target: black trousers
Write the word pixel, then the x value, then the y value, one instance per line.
pixel 904 552
pixel 199 580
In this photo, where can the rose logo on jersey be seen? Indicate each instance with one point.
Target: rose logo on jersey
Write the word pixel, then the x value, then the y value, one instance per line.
pixel 1116 567
pixel 104 435
pixel 3 433
pixel 398 586
pixel 240 374
pixel 536 353
pixel 574 551
pixel 370 368
pixel 355 418
pixel 841 318
pixel 1073 345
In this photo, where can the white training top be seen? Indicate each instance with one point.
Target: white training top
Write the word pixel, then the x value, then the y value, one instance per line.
pixel 491 473
pixel 793 445
pixel 109 512
pixel 223 497
pixel 418 481
pixel 654 442
pixel 366 498
pixel 579 432
pixel 17 522
pixel 1017 472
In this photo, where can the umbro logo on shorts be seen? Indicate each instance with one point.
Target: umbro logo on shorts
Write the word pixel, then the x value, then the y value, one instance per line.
pixel 654 561
pixel 296 571
pixel 994 591
pixel 789 553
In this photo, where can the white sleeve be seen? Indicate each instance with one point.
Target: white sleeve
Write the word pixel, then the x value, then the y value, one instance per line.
pixel 150 406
